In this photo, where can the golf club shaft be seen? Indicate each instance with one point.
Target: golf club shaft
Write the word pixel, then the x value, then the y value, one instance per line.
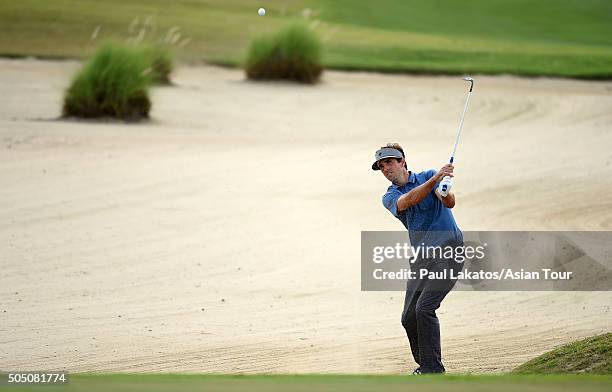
pixel 447 183
pixel 460 126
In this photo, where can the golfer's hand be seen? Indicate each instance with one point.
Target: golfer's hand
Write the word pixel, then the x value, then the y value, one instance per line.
pixel 445 186
pixel 445 171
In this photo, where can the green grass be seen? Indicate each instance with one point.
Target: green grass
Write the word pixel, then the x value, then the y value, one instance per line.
pixel 319 383
pixel 293 53
pixel 544 37
pixel 114 83
pixel 591 355
pixel 161 63
pixel 569 38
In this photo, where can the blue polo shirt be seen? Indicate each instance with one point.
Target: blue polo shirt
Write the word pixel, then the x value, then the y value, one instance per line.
pixel 428 222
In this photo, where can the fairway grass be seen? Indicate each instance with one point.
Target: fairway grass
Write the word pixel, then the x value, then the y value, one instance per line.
pixel 315 383
pixel 549 37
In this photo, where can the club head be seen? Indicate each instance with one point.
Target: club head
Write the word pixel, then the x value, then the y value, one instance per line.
pixel 471 80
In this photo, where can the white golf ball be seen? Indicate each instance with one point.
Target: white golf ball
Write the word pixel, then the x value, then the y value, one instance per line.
pixel 261 11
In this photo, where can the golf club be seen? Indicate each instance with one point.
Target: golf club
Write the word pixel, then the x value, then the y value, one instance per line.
pixel 447 182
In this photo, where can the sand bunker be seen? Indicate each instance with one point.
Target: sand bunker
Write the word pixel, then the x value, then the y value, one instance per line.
pixel 223 236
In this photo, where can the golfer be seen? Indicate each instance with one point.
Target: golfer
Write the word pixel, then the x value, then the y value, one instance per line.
pixel 414 200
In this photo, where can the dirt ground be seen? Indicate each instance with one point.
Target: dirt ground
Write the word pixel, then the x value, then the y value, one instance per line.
pixel 224 235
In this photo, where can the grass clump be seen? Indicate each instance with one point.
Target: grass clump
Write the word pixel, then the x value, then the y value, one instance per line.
pixel 590 355
pixel 161 64
pixel 294 53
pixel 114 83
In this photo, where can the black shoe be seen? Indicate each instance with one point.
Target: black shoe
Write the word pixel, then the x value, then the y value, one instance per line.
pixel 419 372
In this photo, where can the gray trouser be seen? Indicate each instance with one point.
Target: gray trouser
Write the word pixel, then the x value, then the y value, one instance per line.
pixel 423 298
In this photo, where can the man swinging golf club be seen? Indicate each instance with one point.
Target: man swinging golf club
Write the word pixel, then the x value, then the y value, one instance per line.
pixel 423 202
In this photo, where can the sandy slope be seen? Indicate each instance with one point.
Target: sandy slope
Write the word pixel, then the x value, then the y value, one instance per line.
pixel 223 236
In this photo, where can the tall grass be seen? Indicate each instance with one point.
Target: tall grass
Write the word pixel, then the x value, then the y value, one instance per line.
pixel 161 63
pixel 114 83
pixel 294 53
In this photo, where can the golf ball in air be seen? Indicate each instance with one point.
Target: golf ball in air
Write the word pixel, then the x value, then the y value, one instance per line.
pixel 261 11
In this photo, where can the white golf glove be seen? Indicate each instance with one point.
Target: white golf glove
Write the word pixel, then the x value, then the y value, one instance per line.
pixel 445 186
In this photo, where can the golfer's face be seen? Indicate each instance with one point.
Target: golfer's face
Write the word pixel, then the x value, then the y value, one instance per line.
pixel 391 168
